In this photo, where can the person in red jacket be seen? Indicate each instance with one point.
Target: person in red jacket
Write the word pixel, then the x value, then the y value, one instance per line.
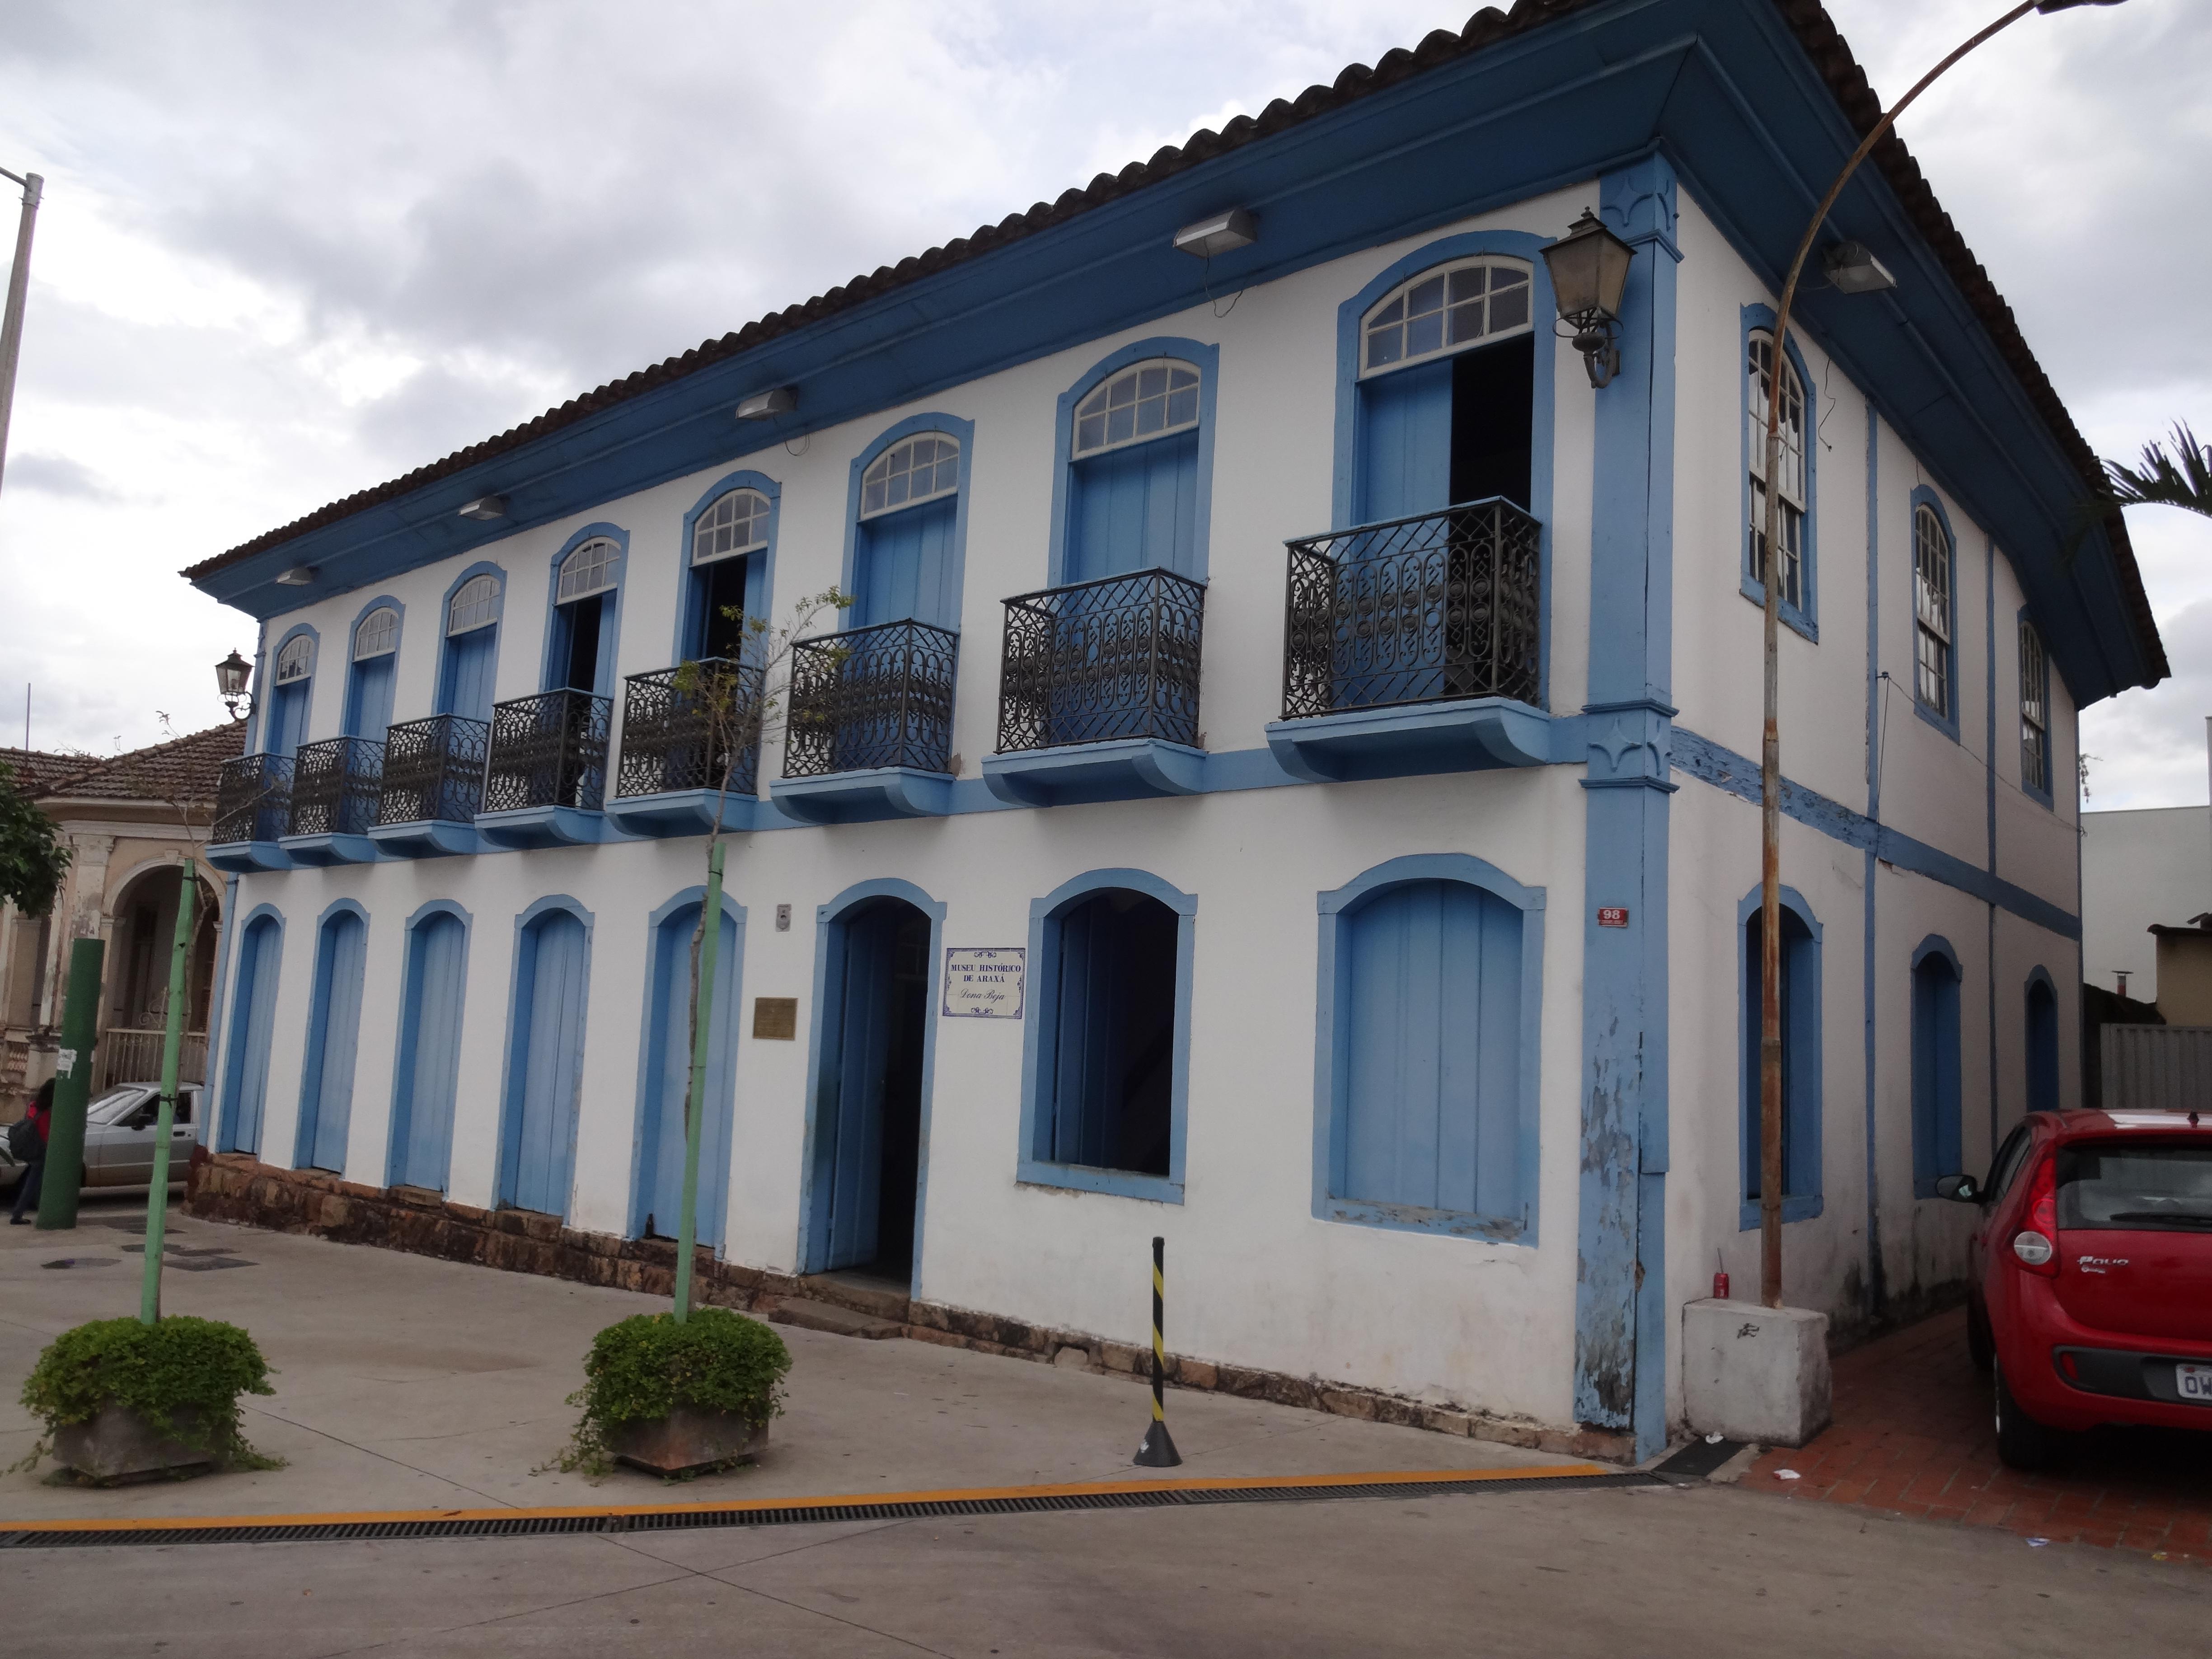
pixel 40 1117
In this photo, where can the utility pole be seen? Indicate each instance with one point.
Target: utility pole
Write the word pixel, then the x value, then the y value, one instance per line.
pixel 19 286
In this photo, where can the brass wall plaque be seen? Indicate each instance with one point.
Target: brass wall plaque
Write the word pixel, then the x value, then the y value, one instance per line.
pixel 775 1018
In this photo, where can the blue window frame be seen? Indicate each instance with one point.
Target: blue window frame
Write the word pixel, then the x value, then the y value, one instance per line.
pixel 906 523
pixel 1135 440
pixel 729 553
pixel 2042 1033
pixel 468 654
pixel 1106 1045
pixel 2036 776
pixel 1426 1048
pixel 292 692
pixel 1800 1056
pixel 427 1073
pixel 372 669
pixel 333 1038
pixel 585 623
pixel 1935 613
pixel 1800 480
pixel 1938 1120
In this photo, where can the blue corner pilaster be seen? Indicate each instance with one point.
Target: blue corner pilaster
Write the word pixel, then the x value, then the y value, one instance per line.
pixel 1621 1309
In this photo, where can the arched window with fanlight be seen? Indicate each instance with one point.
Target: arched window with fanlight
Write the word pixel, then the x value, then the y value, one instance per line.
pixel 906 534
pixel 1136 474
pixel 726 558
pixel 469 653
pixel 1446 390
pixel 586 586
pixel 294 682
pixel 369 674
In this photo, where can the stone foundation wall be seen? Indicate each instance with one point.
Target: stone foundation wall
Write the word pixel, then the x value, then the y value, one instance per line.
pixel 232 1187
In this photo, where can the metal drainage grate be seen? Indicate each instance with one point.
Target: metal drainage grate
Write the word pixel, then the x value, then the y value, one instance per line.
pixel 800 1515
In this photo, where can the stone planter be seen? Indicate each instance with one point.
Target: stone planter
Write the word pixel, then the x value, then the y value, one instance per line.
pixel 118 1445
pixel 689 1440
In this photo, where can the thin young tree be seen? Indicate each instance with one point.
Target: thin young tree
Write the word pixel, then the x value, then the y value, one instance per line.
pixel 732 707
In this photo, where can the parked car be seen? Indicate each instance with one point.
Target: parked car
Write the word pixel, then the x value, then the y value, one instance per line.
pixel 2090 1290
pixel 119 1137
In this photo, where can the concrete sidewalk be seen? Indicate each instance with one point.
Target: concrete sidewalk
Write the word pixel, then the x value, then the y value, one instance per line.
pixel 409 1383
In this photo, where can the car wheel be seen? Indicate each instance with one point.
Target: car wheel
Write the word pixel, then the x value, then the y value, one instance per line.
pixel 1981 1342
pixel 2022 1442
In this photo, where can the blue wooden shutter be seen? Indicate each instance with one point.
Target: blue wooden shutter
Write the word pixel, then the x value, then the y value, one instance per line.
pixel 333 1034
pixel 1433 1066
pixel 547 1065
pixel 465 681
pixel 369 697
pixel 668 1079
pixel 867 1012
pixel 430 1054
pixel 905 566
pixel 1135 509
pixel 1937 1129
pixel 252 1025
pixel 1405 443
pixel 288 719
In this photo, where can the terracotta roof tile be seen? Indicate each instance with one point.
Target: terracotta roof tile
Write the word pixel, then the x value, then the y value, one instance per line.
pixel 184 769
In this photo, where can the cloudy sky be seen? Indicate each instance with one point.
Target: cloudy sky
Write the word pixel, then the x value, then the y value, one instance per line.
pixel 291 250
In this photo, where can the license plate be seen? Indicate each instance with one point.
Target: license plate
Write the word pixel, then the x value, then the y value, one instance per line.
pixel 2194 1382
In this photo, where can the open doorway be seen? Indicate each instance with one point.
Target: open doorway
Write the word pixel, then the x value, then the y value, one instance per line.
pixel 867 1133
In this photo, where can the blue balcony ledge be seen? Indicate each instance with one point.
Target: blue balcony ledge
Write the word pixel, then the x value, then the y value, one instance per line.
pixel 425 838
pixel 247 858
pixel 1122 769
pixel 681 812
pixel 1412 739
pixel 865 797
pixel 329 849
pixel 545 826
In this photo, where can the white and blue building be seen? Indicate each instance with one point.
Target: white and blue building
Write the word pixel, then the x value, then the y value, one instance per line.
pixel 1333 716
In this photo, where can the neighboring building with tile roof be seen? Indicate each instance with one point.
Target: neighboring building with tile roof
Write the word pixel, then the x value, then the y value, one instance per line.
pixel 131 823
pixel 1405 984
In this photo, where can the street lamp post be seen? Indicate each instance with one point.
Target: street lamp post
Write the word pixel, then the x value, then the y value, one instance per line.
pixel 19 286
pixel 1770 758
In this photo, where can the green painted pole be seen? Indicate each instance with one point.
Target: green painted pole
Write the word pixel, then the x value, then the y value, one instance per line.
pixel 694 1097
pixel 72 1087
pixel 165 1120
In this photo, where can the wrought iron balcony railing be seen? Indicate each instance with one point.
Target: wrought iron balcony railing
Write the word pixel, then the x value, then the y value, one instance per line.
pixel 548 750
pixel 686 727
pixel 1421 610
pixel 1116 657
pixel 874 696
pixel 434 770
pixel 253 798
pixel 335 784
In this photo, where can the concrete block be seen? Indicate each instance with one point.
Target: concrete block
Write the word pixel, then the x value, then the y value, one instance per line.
pixel 1754 1373
pixel 690 1439
pixel 118 1445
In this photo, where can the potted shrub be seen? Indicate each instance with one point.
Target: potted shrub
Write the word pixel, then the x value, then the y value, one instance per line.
pixel 678 1397
pixel 123 1400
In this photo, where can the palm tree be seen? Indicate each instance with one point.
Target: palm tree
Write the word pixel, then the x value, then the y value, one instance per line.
pixel 2183 479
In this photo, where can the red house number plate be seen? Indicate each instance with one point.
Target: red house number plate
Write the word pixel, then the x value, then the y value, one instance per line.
pixel 1613 915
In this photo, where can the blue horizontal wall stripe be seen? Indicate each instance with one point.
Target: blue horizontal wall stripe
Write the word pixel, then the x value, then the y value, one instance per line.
pixel 1725 769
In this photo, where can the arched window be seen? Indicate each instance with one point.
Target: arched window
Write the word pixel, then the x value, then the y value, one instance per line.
pixel 581 658
pixel 1790 491
pixel 905 558
pixel 2035 713
pixel 471 648
pixel 1134 466
pixel 1938 1120
pixel 369 677
pixel 1447 388
pixel 288 707
pixel 1931 614
pixel 724 537
pixel 1800 1060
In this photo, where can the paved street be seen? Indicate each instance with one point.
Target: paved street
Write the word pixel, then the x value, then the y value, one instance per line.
pixel 411 1383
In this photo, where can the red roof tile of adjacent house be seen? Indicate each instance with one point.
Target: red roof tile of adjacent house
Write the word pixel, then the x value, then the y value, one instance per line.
pixel 183 769
pixel 36 770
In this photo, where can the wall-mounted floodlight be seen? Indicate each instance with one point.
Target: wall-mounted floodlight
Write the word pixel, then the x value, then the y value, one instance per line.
pixel 765 406
pixel 1588 268
pixel 298 576
pixel 485 507
pixel 1224 233
pixel 1855 270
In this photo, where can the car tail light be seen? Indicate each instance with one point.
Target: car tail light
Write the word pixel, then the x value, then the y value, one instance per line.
pixel 2035 1246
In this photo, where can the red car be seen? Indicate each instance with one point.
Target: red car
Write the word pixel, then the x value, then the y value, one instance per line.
pixel 2090 1290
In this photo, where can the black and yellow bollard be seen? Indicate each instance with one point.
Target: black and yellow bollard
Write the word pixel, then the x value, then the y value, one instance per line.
pixel 1158 1450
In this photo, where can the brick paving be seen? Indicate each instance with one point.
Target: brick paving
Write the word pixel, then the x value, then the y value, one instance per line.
pixel 1913 1436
